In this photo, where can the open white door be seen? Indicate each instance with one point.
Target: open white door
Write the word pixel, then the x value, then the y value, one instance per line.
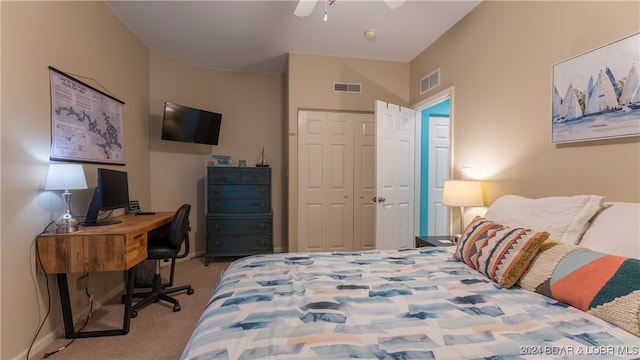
pixel 395 134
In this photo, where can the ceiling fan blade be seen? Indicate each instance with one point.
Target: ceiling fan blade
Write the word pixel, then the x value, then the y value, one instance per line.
pixel 304 8
pixel 394 4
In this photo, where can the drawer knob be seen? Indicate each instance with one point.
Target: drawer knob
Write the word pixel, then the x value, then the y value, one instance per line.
pixel 223 177
pixel 262 226
pixel 216 227
pixel 263 190
pixel 262 206
pixel 217 191
pixel 216 206
pixel 262 243
pixel 216 244
pixel 255 177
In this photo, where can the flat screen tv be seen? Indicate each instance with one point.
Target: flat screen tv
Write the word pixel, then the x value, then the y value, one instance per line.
pixel 187 124
pixel 112 192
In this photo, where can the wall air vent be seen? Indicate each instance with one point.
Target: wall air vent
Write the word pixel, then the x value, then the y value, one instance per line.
pixel 430 81
pixel 346 87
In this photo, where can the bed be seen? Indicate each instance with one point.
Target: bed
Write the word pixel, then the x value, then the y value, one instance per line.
pixel 556 278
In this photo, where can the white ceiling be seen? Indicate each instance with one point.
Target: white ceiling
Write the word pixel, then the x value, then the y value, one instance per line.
pixel 256 36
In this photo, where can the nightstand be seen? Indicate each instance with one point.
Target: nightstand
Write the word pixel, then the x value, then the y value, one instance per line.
pixel 434 240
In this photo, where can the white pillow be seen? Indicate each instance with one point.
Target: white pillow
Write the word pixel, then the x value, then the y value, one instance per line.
pixel 615 230
pixel 565 218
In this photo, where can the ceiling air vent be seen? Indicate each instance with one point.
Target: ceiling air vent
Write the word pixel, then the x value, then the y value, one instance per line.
pixel 430 81
pixel 346 87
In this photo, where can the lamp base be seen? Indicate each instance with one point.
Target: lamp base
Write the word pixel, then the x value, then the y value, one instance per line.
pixel 66 223
pixel 461 220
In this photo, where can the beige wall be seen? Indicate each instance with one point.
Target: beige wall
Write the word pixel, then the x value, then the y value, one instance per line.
pixel 310 86
pixel 252 111
pixel 88 40
pixel 499 59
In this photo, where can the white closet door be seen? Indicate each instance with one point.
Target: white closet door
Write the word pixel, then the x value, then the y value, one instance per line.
pixel 395 136
pixel 325 181
pixel 364 178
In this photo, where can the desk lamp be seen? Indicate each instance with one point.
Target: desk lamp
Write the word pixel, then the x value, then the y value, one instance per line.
pixel 66 177
pixel 462 193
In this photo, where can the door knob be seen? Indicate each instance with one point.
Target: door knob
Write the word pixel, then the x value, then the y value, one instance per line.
pixel 381 199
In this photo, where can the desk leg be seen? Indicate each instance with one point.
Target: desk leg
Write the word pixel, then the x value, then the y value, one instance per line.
pixel 67 315
pixel 65 302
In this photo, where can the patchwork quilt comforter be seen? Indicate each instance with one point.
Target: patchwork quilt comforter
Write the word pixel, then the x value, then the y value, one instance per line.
pixel 411 304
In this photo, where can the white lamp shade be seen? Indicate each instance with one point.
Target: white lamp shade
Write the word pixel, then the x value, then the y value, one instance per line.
pixel 65 177
pixel 462 193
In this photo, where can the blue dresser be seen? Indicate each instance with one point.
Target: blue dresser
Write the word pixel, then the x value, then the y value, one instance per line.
pixel 239 217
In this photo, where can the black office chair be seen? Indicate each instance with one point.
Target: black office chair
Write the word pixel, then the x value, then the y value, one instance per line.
pixel 167 248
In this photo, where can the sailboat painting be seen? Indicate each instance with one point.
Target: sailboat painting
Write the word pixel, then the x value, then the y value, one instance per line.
pixel 596 95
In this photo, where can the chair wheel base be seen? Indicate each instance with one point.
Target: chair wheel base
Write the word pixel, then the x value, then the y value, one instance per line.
pixel 176 307
pixel 190 291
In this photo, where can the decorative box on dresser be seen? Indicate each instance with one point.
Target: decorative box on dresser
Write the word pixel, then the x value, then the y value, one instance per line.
pixel 239 217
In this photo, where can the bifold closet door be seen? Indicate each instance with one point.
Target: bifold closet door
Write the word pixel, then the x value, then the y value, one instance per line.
pixel 364 181
pixel 331 211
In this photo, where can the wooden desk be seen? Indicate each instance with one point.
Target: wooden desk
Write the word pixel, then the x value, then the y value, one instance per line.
pixel 117 247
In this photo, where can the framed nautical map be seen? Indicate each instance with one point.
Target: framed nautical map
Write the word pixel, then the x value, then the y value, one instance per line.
pixel 86 124
pixel 596 95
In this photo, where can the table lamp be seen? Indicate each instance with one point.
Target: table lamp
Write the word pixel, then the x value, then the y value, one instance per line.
pixel 462 193
pixel 66 177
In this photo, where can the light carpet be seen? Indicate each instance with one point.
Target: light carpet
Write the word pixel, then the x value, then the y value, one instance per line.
pixel 157 332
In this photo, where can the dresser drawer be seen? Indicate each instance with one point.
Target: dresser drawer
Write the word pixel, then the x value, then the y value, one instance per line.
pixel 238 176
pixel 238 205
pixel 249 190
pixel 239 247
pixel 255 176
pixel 222 176
pixel 224 225
pixel 239 235
pixel 240 244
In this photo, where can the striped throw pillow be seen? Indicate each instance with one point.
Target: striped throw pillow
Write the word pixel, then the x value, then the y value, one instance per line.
pixel 501 253
pixel 606 286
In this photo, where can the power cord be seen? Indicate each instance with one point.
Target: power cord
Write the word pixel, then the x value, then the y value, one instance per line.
pixel 102 216
pixel 86 290
pixel 46 277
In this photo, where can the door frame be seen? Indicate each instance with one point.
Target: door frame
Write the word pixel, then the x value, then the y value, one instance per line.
pixel 439 97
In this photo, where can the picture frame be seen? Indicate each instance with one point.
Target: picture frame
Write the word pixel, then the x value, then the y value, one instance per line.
pixel 596 95
pixel 86 123
pixel 134 206
pixel 220 160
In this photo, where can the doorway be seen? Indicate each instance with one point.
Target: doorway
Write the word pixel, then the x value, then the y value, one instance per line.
pixel 435 139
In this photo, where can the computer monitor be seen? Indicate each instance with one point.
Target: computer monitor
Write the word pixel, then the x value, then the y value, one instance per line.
pixel 112 192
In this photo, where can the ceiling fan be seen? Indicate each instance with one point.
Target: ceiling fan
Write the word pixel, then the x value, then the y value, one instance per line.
pixel 305 7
